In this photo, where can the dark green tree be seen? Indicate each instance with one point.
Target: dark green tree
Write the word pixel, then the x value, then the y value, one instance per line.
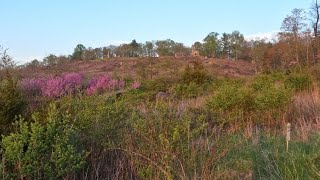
pixel 197 46
pixel 165 47
pixel 78 51
pixel 226 45
pixel 11 101
pixel 237 40
pixel 210 44
pixel 149 49
pixel 33 64
pixel 135 47
pixel 50 60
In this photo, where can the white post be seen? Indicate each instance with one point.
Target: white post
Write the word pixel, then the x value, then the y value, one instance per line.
pixel 288 137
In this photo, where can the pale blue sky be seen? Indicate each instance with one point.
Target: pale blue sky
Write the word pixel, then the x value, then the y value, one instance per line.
pixel 35 28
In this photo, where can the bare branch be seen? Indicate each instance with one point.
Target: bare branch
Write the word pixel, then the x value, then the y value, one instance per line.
pixel 5 60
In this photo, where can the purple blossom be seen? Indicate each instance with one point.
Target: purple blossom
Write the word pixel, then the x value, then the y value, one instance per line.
pixel 103 83
pixel 136 85
pixel 72 82
pixel 69 83
pixel 54 87
pixel 32 87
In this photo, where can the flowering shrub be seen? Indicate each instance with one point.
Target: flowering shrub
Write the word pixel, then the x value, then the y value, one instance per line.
pixel 32 86
pixel 136 85
pixel 103 83
pixel 59 86
pixel 55 86
pixel 70 83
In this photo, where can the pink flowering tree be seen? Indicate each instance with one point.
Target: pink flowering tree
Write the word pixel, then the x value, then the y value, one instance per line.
pixel 32 87
pixel 103 83
pixel 69 83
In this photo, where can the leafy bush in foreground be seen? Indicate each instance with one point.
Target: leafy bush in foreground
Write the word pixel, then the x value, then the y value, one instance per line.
pixel 230 103
pixel 12 103
pixel 299 82
pixel 41 151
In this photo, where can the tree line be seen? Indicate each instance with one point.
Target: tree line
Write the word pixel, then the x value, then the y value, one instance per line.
pixel 296 43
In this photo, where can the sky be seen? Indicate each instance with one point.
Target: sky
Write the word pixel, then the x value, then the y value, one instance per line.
pixel 36 28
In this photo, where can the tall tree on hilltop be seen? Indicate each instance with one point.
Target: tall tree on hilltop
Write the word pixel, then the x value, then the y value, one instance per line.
pixel 51 59
pixel 236 40
pixel 134 48
pixel 165 47
pixel 78 51
pixel 88 54
pixel 293 25
pixel 315 17
pixel 149 48
pixel 226 45
pixel 210 44
pixel 197 46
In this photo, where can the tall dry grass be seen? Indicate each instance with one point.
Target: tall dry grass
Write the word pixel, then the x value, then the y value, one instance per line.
pixel 305 113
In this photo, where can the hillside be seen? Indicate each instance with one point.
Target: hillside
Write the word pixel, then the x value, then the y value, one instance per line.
pixel 139 67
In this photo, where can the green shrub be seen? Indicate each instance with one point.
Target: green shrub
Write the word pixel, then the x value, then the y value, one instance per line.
pixel 11 102
pixel 186 90
pixel 231 102
pixel 272 98
pixel 164 133
pixel 299 82
pixel 264 81
pixel 157 85
pixel 229 97
pixel 41 151
pixel 195 72
pixel 103 120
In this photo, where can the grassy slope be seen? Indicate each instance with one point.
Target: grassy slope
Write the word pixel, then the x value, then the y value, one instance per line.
pixel 137 67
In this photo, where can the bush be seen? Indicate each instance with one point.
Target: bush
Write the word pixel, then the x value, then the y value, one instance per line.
pixel 69 83
pixel 103 120
pixel 41 151
pixel 104 124
pixel 52 87
pixel 11 102
pixel 164 134
pixel 195 72
pixel 190 90
pixel 264 81
pixel 231 102
pixel 299 82
pixel 102 83
pixel 230 96
pixel 32 87
pixel 272 98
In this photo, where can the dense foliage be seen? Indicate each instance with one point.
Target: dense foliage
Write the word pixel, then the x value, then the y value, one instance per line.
pixel 170 122
pixel 199 127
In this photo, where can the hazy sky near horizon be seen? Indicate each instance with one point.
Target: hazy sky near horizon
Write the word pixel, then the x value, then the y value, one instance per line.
pixel 35 28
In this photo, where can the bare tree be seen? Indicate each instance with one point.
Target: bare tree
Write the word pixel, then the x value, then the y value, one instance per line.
pixel 5 60
pixel 315 16
pixel 294 24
